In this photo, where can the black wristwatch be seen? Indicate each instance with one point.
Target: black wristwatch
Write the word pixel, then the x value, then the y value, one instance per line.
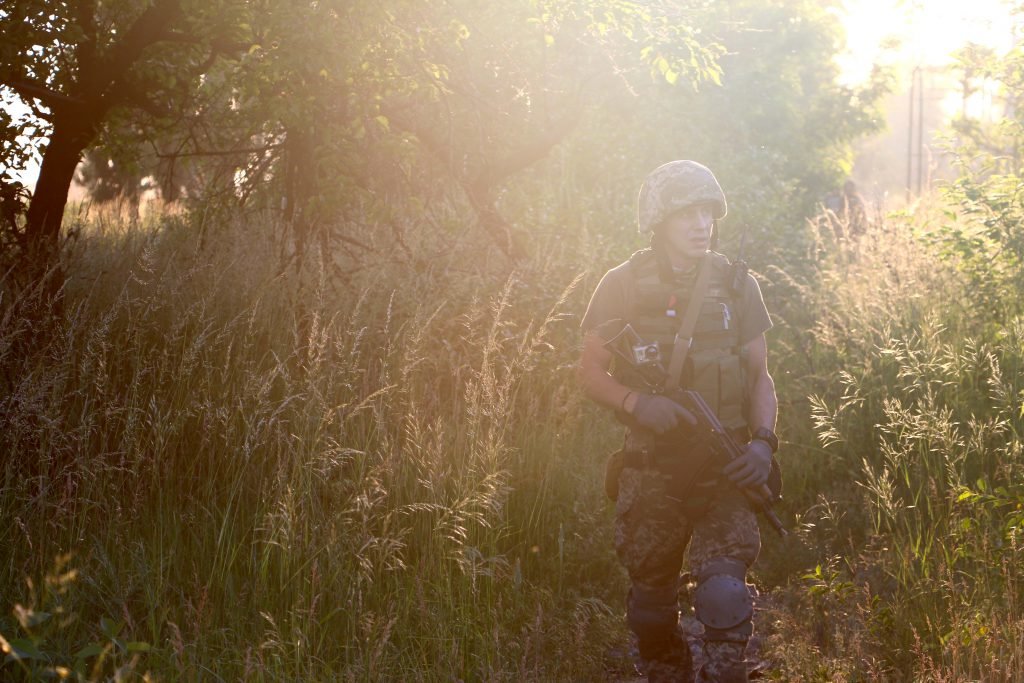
pixel 768 436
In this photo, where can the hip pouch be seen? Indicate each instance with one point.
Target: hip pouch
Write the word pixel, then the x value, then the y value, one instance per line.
pixel 688 465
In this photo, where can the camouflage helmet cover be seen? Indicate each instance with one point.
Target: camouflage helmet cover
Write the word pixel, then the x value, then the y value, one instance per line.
pixel 675 186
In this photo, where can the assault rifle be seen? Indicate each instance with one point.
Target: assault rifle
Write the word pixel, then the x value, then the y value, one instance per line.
pixel 725 449
pixel 645 359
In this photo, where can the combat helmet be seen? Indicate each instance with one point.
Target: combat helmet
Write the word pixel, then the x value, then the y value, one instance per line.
pixel 674 186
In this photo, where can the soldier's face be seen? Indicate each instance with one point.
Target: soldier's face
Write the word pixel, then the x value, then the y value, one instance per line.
pixel 688 230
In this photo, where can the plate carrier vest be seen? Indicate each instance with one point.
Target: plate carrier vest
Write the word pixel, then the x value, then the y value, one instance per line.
pixel 714 365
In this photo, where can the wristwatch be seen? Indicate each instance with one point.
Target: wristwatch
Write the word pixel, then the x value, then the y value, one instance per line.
pixel 768 436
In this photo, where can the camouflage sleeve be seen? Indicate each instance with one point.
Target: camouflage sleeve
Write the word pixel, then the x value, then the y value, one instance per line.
pixel 607 309
pixel 754 318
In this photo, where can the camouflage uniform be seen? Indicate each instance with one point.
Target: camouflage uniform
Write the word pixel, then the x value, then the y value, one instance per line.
pixel 653 528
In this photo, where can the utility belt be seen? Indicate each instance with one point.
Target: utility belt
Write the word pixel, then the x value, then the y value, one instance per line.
pixel 684 460
pixel 665 455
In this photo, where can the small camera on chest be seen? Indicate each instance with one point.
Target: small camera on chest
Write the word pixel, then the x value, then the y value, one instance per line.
pixel 646 353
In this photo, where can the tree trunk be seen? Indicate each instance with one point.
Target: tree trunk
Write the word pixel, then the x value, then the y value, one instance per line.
pixel 46 211
pixel 300 186
pixel 77 117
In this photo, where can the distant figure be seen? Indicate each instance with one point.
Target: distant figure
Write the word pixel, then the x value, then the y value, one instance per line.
pixel 847 211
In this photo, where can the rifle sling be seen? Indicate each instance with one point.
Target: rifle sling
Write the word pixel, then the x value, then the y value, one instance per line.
pixel 684 335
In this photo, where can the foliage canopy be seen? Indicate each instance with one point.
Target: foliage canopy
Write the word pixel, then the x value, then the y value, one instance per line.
pixel 359 118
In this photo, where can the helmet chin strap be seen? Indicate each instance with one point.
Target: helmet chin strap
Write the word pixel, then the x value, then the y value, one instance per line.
pixel 714 234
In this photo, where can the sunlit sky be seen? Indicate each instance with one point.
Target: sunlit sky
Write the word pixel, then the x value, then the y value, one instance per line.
pixel 926 32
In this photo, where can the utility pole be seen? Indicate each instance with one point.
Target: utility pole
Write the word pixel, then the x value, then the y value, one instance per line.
pixel 910 132
pixel 920 131
pixel 915 125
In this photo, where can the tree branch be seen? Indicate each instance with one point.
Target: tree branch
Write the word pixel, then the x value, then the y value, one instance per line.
pixel 86 12
pixel 152 26
pixel 529 153
pixel 29 90
pixel 218 152
pixel 132 95
pixel 219 45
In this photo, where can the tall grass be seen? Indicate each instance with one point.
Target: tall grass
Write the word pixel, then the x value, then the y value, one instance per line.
pixel 913 492
pixel 220 466
pixel 291 476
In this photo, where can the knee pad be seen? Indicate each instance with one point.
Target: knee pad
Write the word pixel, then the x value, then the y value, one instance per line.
pixel 722 600
pixel 653 613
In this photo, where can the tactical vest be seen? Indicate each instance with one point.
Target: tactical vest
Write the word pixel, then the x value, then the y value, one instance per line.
pixel 714 365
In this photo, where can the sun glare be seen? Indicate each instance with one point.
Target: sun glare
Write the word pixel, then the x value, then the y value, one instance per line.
pixel 911 34
pixel 903 34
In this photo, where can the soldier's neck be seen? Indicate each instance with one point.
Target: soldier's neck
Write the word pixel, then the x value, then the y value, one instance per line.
pixel 683 262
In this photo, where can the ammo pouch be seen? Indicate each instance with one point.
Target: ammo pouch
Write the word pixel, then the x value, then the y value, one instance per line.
pixel 719 378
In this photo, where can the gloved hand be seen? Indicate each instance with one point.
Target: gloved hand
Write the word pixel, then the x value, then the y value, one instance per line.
pixel 751 469
pixel 660 414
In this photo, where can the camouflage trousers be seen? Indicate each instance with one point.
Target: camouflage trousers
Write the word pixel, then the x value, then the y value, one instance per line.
pixel 653 529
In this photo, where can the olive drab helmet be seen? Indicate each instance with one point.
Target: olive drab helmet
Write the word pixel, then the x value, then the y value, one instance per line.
pixel 675 186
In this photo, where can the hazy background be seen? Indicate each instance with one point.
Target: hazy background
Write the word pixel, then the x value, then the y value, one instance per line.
pixel 288 383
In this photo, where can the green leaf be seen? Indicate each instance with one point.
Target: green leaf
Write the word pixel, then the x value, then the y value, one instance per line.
pixel 89 651
pixel 110 628
pixel 23 648
pixel 29 618
pixel 139 646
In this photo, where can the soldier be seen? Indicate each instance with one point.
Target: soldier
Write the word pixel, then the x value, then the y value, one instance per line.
pixel 662 506
pixel 847 211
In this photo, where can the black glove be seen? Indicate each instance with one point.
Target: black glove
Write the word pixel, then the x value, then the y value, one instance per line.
pixel 660 414
pixel 751 469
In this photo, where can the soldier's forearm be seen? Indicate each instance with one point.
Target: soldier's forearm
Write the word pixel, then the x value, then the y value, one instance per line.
pixel 597 383
pixel 605 390
pixel 764 405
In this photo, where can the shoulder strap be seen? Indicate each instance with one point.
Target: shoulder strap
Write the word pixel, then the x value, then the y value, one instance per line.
pixel 684 336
